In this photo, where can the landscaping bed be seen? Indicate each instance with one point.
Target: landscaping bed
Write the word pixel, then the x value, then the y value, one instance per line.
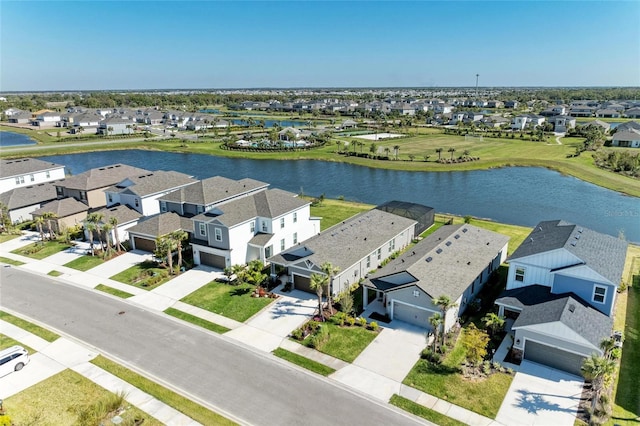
pixel 146 275
pixel 41 250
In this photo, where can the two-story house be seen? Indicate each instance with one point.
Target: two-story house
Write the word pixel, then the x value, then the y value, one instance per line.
pixel 561 291
pixel 23 172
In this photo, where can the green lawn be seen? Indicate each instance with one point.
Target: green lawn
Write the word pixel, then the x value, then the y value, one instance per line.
pixel 335 211
pixel 196 320
pixel 4 237
pixel 58 399
pixel 54 273
pixel 231 301
pixel 424 412
pixel 445 382
pixel 146 275
pixel 40 251
pixel 345 343
pixel 84 263
pixel 7 342
pixel 10 261
pixel 304 362
pixel 196 411
pixel 47 335
pixel 113 291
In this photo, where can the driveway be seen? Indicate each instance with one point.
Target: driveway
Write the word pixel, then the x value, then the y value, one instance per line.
pixel 540 395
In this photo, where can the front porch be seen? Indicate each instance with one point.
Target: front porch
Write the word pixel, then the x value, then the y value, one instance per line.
pixel 503 350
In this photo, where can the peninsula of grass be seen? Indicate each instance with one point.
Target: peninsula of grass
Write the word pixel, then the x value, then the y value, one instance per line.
pixel 41 250
pixel 229 300
pixel 113 291
pixel 84 263
pixel 446 382
pixel 147 275
pixel 47 335
pixel 346 342
pixel 335 211
pixel 7 342
pixel 192 409
pixel 304 362
pixel 424 412
pixel 54 273
pixel 44 403
pixel 200 322
pixel 10 261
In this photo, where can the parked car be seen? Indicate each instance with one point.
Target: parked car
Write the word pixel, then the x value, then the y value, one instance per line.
pixel 13 359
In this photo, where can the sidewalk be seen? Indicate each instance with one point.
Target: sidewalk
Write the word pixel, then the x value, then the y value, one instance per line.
pixel 53 358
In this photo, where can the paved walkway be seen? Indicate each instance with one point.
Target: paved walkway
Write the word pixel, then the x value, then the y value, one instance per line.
pixel 53 358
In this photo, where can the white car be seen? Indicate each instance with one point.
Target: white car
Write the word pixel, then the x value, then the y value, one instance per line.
pixel 13 359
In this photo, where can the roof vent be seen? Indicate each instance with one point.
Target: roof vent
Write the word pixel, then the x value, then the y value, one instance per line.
pixel 580 230
pixel 439 251
pixel 465 230
pixel 448 243
pixel 572 307
pixel 469 263
pixel 457 236
pixel 429 259
pixel 577 237
pixel 573 243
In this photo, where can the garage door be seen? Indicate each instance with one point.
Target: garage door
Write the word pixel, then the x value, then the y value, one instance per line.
pixel 411 314
pixel 553 357
pixel 213 260
pixel 303 283
pixel 144 244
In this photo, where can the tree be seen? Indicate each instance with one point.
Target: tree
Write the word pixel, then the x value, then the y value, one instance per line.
pixel 39 221
pixel 179 237
pixel 330 270
pixel 465 153
pixel 48 216
pixel 318 281
pixel 439 152
pixel 95 219
pixel 345 298
pixel 106 228
pixel 451 150
pixel 475 342
pixel 109 130
pixel 596 369
pixel 91 229
pixel 396 150
pixel 493 322
pixel 387 150
pixel 608 345
pixel 436 321
pixel 373 148
pixel 165 246
pixel 444 303
pixel 113 221
pixel 254 273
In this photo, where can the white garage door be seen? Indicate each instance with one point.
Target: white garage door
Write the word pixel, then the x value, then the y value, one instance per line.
pixel 411 314
pixel 553 357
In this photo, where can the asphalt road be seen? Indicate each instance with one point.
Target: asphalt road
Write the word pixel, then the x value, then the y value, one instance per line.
pixel 256 388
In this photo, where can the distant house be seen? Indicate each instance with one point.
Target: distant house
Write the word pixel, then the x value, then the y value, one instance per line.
pixel 22 201
pixel 525 121
pixel 608 113
pixel 495 104
pixel 116 126
pixel 495 121
pixel 46 119
pixel 289 134
pixel 28 172
pixel 582 111
pixel 562 123
pixel 511 104
pixel 632 113
pixel 455 261
pixel 626 139
pixel 21 117
pixel 67 213
pixel 602 125
pixel 349 124
pixel 629 125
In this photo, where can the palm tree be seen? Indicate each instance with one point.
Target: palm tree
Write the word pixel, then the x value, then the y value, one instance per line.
pixel 596 369
pixel 387 151
pixel 106 228
pixel 451 150
pixel 330 270
pixel 113 221
pixel 39 221
pixel 48 216
pixel 318 281
pixel 608 345
pixel 445 303
pixel 465 153
pixel 439 152
pixel 109 130
pixel 436 321
pixel 396 149
pixel 373 148
pixel 94 219
pixel 91 229
pixel 493 322
pixel 179 237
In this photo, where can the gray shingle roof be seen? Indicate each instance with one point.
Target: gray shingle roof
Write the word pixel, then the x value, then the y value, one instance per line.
pixel 347 242
pixel 213 190
pixel 627 135
pixel 21 166
pixel 62 208
pixel 628 126
pixel 159 225
pixel 122 212
pixel 29 195
pixel 602 253
pixel 102 177
pixel 154 182
pixel 446 262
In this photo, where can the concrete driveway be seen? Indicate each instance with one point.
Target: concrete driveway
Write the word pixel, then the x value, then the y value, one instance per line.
pixel 541 395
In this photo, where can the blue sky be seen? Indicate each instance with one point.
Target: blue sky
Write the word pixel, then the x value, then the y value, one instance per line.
pixel 223 44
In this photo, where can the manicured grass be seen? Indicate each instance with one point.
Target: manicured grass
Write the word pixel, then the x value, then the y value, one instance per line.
pixel 346 343
pixel 196 320
pixel 40 251
pixel 335 211
pixel 10 261
pixel 303 362
pixel 7 237
pixel 7 342
pixel 424 412
pixel 56 400
pixel 113 291
pixel 47 335
pixel 232 301
pixel 146 275
pixel 54 273
pixel 85 263
pixel 446 382
pixel 196 411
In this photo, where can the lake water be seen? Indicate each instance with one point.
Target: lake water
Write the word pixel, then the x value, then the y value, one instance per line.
pixel 516 195
pixel 15 139
pixel 270 123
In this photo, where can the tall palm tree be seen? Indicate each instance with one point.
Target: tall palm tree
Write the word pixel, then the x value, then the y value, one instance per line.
pixel 330 270
pixel 439 152
pixel 608 345
pixel 91 229
pixel 39 221
pixel 387 151
pixel 596 369
pixel 106 228
pixel 444 303
pixel 113 221
pixel 436 321
pixel 318 281
pixel 396 149
pixel 451 150
pixel 48 216
pixel 179 237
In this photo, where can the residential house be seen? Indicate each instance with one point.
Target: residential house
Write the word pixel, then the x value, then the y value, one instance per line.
pixel 27 172
pixel 423 215
pixel 10 112
pixel 525 121
pixel 495 104
pixel 403 109
pixel 46 119
pixel 116 126
pixel 88 187
pixel 626 138
pixel 562 123
pixel 21 117
pixel 582 111
pixel 125 216
pixel 356 246
pixel 632 112
pixel 22 201
pixel 561 291
pixel 289 134
pixel 144 234
pixel 67 213
pixel 599 124
pixel 495 121
pixel 141 192
pixel 511 104
pixel 629 125
pixel 608 113
pixel 454 261
pixel 349 124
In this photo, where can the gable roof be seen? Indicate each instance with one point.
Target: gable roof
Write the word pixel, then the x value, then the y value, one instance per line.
pixel 602 253
pixel 21 166
pixel 349 241
pixel 444 263
pixel 161 224
pixel 62 208
pixel 122 212
pixel 153 182
pixel 213 190
pixel 101 177
pixel 29 195
pixel 627 135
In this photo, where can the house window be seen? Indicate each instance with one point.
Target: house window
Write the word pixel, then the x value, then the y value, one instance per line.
pixel 218 234
pixel 379 254
pixel 252 225
pixel 599 294
pixel 295 217
pixel 268 251
pixel 110 198
pixel 32 178
pixel 282 244
pixel 295 238
pixel 203 229
pixel 19 180
pixel 200 209
pixel 416 293
pixel 163 206
pixel 137 202
pixel 59 190
pixel 83 196
pixel 48 174
pixel 520 274
pixel 282 222
pixel 369 261
pixel 264 226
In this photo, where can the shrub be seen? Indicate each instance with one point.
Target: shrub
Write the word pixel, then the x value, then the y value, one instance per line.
pixel 320 337
pixel 623 287
pixel 298 334
pixel 373 325
pixel 616 353
pixel 313 325
pixel 431 356
pixel 339 318
pixel 5 420
pixel 362 322
pixel 486 367
pixel 351 321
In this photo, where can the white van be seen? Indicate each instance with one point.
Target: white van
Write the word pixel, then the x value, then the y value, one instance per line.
pixel 13 359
